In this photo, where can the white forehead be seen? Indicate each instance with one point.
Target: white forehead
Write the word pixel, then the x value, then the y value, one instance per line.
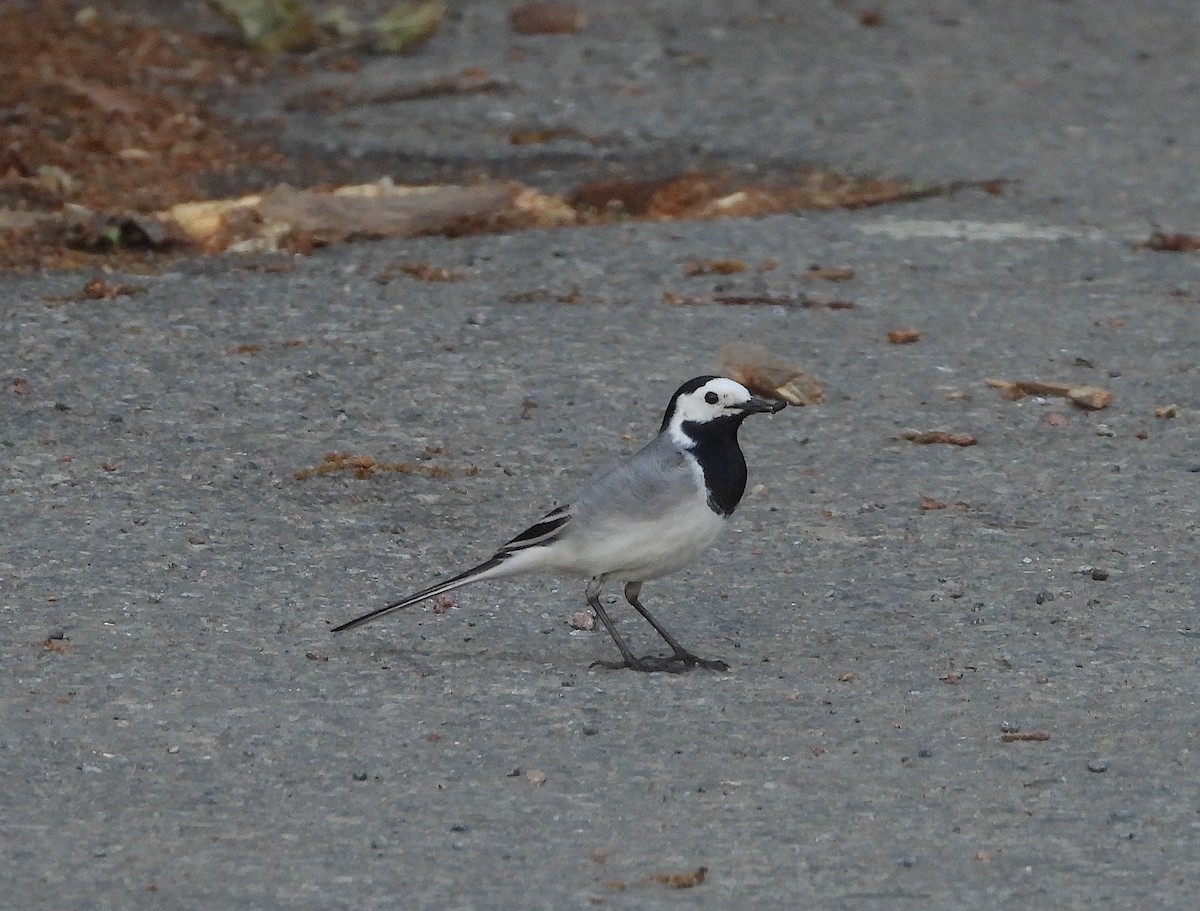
pixel 729 390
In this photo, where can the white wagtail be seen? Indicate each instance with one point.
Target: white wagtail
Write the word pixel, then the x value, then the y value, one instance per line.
pixel 645 517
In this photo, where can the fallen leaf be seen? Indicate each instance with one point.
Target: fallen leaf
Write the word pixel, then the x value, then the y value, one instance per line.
pixel 107 99
pixel 1090 397
pixel 681 880
pixel 938 436
pixel 768 375
pixel 427 273
pixel 547 19
pixel 364 467
pixel 829 273
pixel 1032 736
pixel 20 386
pixel 713 267
pixel 1170 242
pixel 904 336
pixel 671 299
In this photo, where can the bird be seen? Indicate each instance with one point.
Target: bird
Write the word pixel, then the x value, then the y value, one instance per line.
pixel 647 516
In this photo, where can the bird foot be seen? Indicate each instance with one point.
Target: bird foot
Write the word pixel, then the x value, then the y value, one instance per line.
pixel 655 664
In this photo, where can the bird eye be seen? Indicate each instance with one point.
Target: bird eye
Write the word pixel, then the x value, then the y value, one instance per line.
pixel 712 398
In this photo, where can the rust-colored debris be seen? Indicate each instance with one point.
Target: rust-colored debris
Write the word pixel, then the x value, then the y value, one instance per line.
pixel 363 467
pixel 110 146
pixel 930 504
pixel 938 436
pixel 1170 242
pixel 904 336
pixel 829 273
pixel 681 880
pixel 713 267
pixel 547 19
pixel 1029 737
pixel 1091 398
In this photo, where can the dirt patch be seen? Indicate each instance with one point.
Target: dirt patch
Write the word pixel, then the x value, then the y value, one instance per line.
pixel 100 112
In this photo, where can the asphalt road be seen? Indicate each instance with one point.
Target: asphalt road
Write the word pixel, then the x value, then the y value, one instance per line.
pixel 178 729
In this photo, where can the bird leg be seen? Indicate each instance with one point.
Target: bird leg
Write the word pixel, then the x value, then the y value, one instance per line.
pixel 681 660
pixel 632 591
pixel 630 659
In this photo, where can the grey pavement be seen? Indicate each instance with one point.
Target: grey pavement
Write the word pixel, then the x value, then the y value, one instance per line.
pixel 178 729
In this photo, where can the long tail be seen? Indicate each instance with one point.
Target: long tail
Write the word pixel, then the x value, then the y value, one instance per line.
pixel 474 574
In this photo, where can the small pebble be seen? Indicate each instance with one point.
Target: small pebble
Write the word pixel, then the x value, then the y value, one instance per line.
pixel 1097 765
pixel 1099 575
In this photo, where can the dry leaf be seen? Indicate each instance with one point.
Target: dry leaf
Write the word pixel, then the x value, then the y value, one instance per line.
pixel 681 880
pixel 1090 397
pixel 768 375
pixel 713 267
pixel 938 436
pixel 904 336
pixel 1170 242
pixel 829 273
pixel 547 19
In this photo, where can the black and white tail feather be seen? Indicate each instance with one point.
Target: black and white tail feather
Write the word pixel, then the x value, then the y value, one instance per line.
pixel 646 517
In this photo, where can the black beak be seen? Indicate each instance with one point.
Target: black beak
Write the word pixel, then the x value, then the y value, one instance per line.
pixel 759 404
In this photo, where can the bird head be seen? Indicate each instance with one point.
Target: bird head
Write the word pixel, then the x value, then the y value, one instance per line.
pixel 709 399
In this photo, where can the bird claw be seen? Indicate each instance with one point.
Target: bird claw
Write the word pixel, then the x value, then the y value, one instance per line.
pixel 655 664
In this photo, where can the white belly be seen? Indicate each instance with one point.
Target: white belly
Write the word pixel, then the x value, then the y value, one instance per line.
pixel 648 549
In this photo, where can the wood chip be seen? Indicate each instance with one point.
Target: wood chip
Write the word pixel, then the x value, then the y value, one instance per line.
pixel 1018 736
